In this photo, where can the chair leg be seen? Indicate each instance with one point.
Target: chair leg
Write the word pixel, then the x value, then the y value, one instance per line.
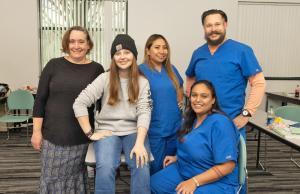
pixel 264 164
pixel 239 189
pixel 7 133
pixel 118 176
pixel 94 176
pixel 27 132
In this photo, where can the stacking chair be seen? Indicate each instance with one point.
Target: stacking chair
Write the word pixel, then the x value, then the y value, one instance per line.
pixel 242 162
pixel 19 100
pixel 90 160
pixel 291 113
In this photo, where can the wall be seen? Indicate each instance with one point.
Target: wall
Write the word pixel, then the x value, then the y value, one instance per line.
pixel 287 86
pixel 269 27
pixel 19 56
pixel 178 21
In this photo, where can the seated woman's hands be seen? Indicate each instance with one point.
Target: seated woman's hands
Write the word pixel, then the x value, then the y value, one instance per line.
pixel 169 160
pixel 141 155
pixel 100 135
pixel 186 187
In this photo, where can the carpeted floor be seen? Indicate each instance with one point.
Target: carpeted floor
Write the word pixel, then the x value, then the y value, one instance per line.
pixel 20 168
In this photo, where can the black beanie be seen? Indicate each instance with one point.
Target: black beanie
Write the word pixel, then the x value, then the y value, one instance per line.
pixel 123 41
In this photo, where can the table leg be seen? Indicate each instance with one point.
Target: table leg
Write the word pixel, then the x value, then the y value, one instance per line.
pixel 267 104
pixel 258 149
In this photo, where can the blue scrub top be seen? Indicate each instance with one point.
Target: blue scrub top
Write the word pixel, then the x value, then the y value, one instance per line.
pixel 214 142
pixel 228 70
pixel 166 115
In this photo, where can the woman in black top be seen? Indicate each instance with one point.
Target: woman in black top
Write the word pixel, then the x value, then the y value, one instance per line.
pixel 56 132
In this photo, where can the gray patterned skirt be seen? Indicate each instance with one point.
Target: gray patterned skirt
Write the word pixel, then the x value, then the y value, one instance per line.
pixel 63 169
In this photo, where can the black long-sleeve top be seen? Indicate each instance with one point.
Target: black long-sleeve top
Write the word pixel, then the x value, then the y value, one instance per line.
pixel 60 83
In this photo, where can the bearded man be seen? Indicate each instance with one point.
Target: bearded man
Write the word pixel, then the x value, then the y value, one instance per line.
pixel 229 65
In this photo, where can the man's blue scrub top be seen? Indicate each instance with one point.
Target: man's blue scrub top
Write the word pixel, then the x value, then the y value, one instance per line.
pixel 228 70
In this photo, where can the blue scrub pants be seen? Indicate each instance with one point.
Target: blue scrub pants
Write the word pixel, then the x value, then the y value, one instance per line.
pixel 108 154
pixel 166 181
pixel 160 148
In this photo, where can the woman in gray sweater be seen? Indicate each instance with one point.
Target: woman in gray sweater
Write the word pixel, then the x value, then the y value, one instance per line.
pixel 123 121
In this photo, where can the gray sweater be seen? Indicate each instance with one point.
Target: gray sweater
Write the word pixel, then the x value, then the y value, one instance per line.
pixel 123 118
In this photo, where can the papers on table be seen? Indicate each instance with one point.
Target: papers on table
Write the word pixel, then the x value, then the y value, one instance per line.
pixel 287 129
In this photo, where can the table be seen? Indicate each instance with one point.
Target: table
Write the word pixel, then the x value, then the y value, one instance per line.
pixel 284 97
pixel 258 122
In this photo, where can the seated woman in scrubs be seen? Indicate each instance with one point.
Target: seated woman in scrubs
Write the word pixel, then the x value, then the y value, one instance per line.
pixel 207 150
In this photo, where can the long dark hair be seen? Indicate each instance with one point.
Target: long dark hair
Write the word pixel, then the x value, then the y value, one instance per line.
pixel 190 116
pixel 167 63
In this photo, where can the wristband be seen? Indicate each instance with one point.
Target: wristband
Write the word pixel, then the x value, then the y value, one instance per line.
pixel 89 134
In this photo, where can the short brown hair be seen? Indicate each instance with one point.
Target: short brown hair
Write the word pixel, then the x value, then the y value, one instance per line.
pixel 66 38
pixel 211 12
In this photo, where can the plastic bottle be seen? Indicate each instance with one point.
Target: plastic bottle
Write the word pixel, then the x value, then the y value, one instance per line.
pixel 270 116
pixel 297 90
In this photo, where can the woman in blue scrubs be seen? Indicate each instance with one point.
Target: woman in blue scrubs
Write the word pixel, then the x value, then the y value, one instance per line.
pixel 207 150
pixel 167 96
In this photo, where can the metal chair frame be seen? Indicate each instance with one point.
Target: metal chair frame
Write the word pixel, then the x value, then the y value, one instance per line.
pixel 17 101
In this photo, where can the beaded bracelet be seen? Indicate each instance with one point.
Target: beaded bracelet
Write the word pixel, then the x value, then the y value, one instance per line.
pixel 196 182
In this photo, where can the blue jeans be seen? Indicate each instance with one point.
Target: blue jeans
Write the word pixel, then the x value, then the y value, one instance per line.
pixel 108 155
